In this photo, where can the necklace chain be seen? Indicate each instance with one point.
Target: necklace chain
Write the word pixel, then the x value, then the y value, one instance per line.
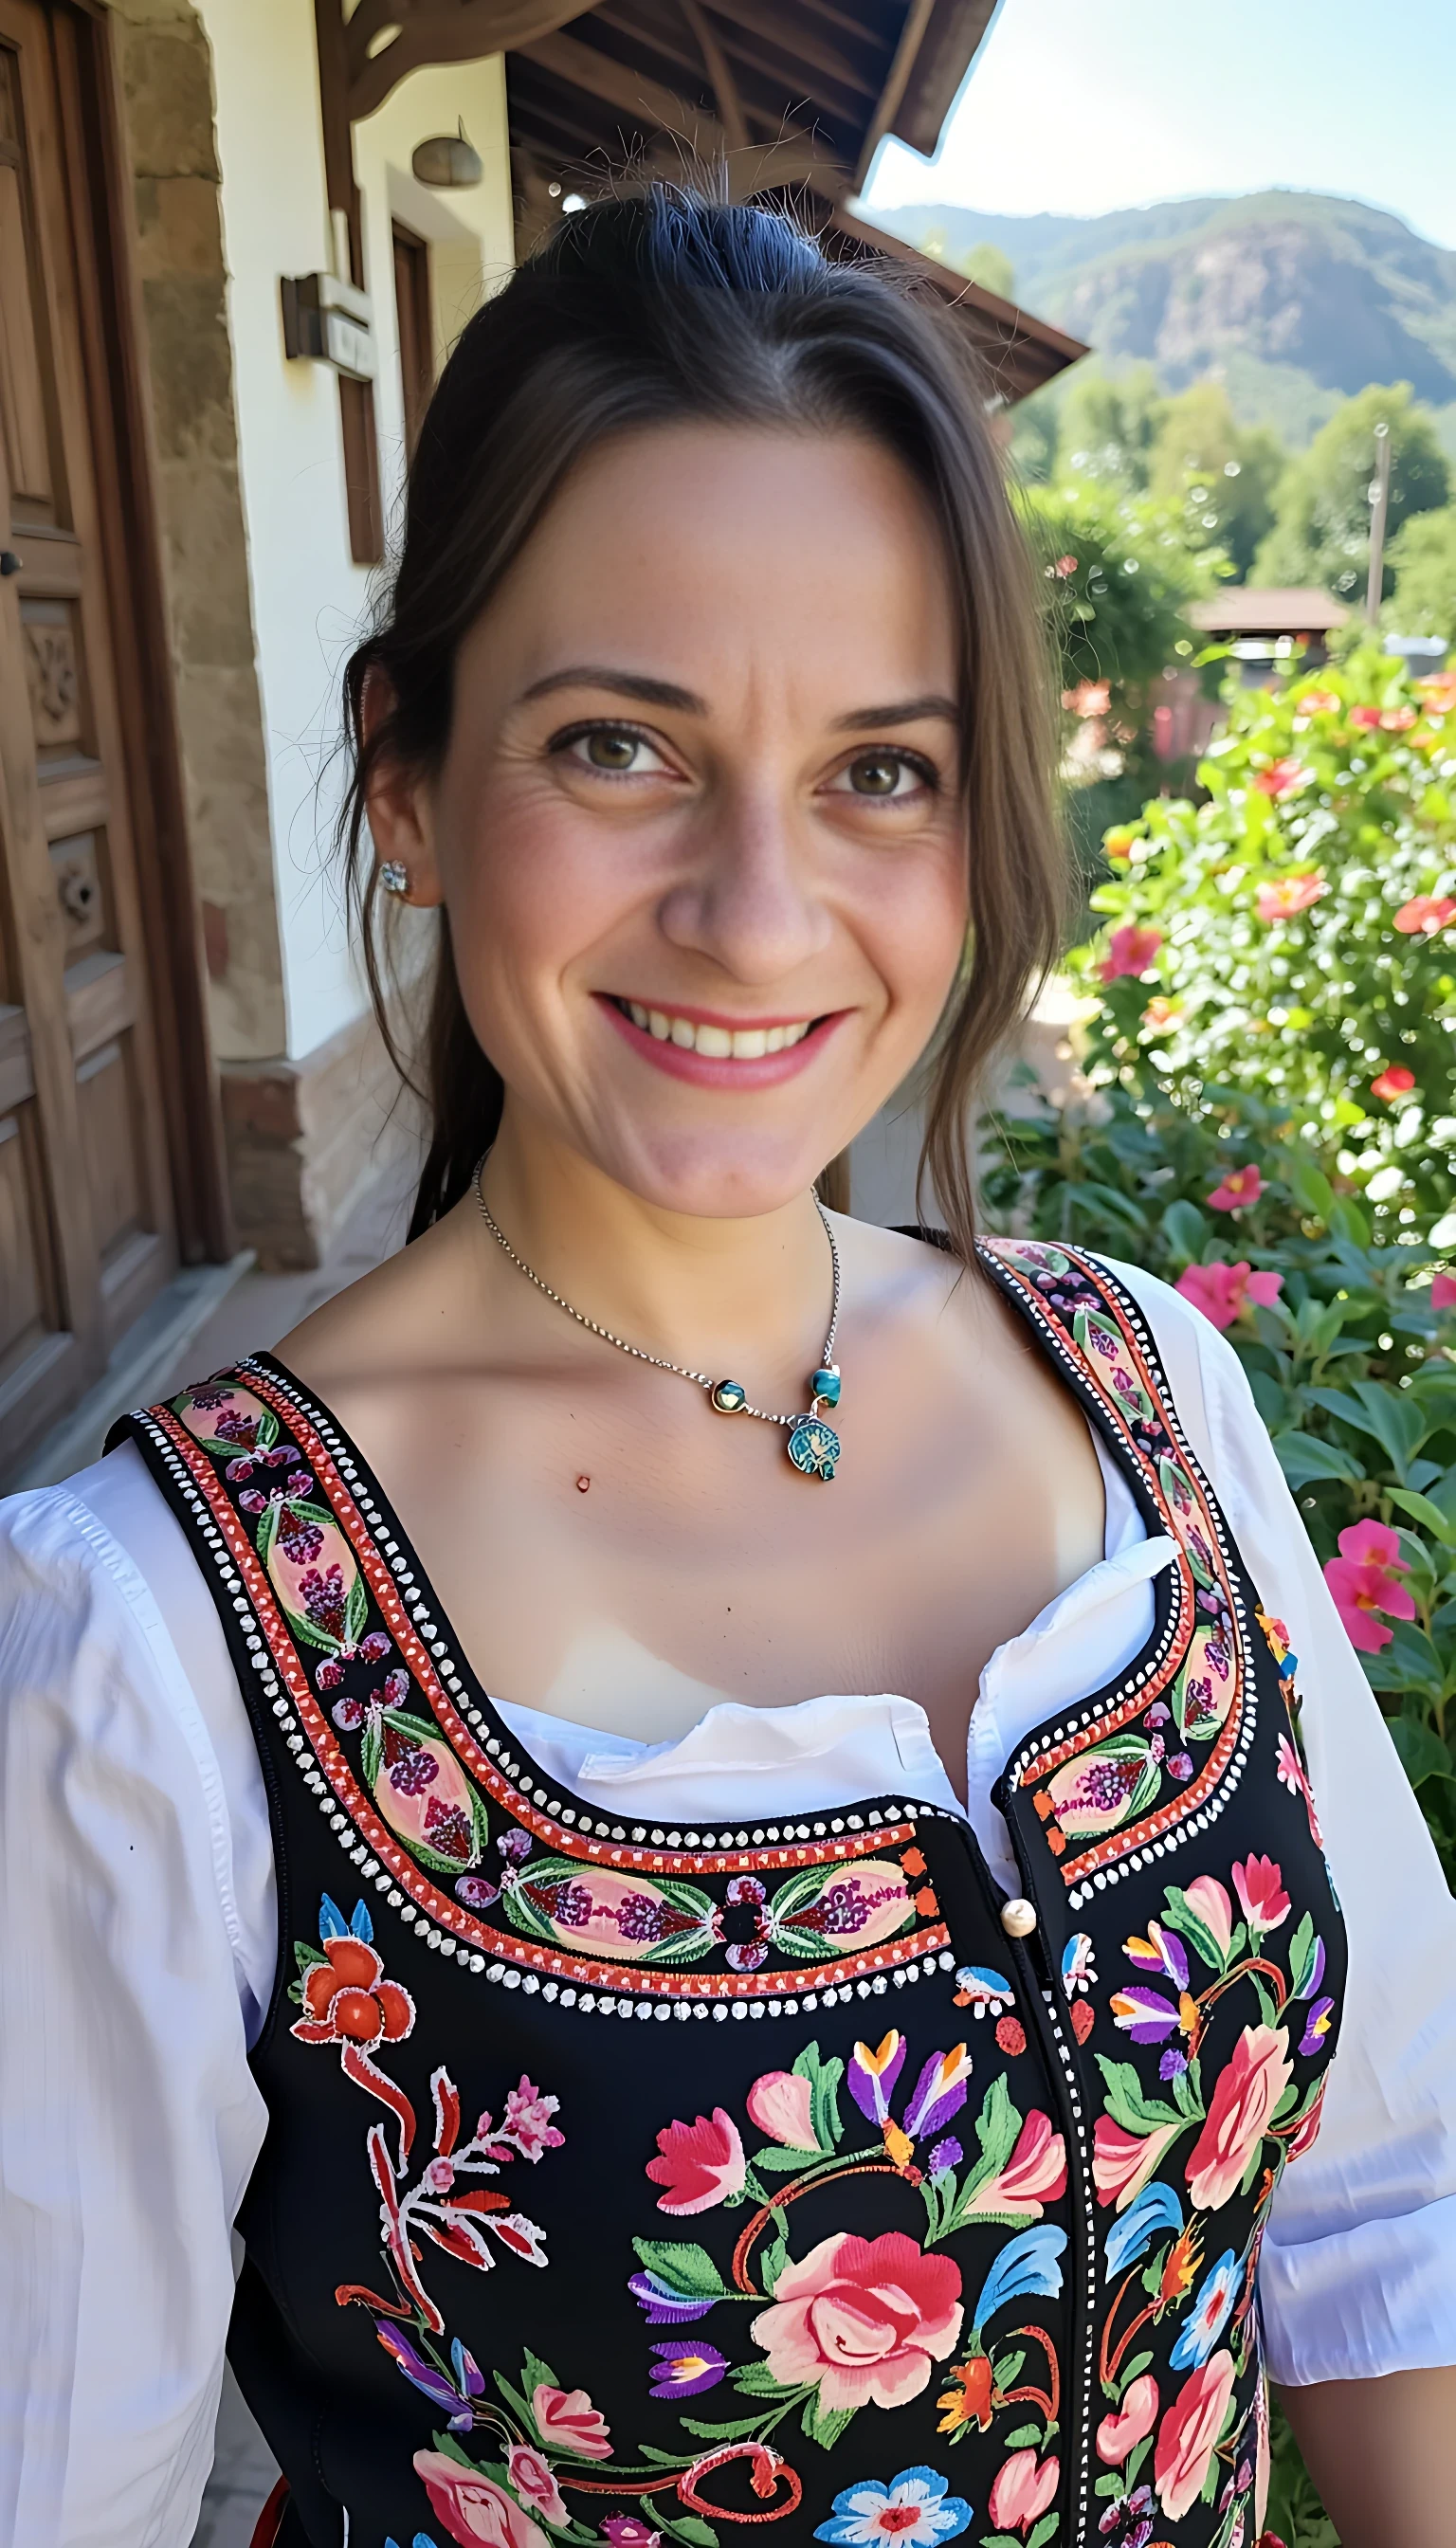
pixel 660 1362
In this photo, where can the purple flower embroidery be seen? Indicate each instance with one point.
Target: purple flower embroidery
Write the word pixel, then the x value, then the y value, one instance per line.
pixel 477 1893
pixel 664 2305
pixel 685 2369
pixel 323 1596
pixel 416 1771
pixel 514 1844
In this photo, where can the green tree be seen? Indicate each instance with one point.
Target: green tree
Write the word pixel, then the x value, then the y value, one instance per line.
pixel 988 264
pixel 1110 423
pixel 1322 529
pixel 1222 472
pixel 1422 558
pixel 1116 573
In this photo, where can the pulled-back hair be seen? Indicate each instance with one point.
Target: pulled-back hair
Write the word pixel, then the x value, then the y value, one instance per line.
pixel 658 308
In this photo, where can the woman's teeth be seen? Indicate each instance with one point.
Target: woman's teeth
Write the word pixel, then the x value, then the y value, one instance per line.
pixel 719 1043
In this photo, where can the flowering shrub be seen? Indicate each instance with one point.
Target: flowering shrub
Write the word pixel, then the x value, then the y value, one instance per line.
pixel 1294 938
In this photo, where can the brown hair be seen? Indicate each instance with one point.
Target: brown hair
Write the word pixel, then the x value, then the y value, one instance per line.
pixel 651 309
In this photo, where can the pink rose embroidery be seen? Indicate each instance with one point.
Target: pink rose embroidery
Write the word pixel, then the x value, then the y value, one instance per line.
pixel 1122 2162
pixel 533 2482
pixel 1246 2095
pixel 1119 2434
pixel 568 2421
pixel 472 2508
pixel 1189 2434
pixel 1022 2489
pixel 863 2318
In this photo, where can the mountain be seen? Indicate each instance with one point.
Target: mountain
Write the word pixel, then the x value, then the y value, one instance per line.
pixel 1295 301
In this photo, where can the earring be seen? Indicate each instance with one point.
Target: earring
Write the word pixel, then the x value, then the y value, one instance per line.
pixel 394 875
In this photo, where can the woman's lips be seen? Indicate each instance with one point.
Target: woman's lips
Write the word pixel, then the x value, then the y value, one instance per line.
pixel 713 1070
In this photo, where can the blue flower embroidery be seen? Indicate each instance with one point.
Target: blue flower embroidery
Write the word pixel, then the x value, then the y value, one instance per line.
pixel 1210 2314
pixel 913 2510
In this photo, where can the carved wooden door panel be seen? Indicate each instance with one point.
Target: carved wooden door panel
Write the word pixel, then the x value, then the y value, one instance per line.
pixel 86 1232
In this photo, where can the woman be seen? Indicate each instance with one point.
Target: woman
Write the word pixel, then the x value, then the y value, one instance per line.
pixel 670 2097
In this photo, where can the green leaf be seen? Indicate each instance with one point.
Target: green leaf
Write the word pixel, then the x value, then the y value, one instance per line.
pixel 1301 1950
pixel 1046 2528
pixel 824 2079
pixel 1312 1192
pixel 686 2269
pixel 1186 1231
pixel 825 2424
pixel 1132 2370
pixel 307 1956
pixel 1126 2102
pixel 756 2379
pixel 1421 1508
pixel 999 2539
pixel 1112 2484
pixel 741 2431
pixel 1026 2437
pixel 688 2527
pixel 1008 2370
pixel 1303 1457
pixel 774 2161
pixel 1179 1913
pixel 1423 1753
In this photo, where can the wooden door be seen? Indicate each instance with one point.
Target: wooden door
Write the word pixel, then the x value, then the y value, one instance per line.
pixel 86 1225
pixel 416 330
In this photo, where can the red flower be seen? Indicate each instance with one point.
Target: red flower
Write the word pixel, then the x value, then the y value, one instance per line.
pixel 1398 720
pixel 1290 896
pixel 862 2320
pixel 1282 777
pixel 347 2000
pixel 1065 566
pixel 1363 1581
pixel 1259 1886
pixel 1245 2097
pixel 1443 1292
pixel 1425 914
pixel 1222 1292
pixel 702 2163
pixel 1394 1083
pixel 1242 1186
pixel 1189 2434
pixel 567 2420
pixel 1130 950
pixel 1367 717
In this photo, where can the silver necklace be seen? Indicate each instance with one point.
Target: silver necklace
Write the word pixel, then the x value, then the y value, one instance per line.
pixel 813 1445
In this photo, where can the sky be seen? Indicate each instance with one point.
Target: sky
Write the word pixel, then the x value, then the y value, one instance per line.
pixel 1084 106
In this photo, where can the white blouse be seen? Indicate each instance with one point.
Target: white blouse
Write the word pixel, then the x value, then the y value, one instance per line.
pixel 138 1944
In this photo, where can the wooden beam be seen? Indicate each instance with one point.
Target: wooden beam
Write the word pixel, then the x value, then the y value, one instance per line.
pixel 917 19
pixel 724 88
pixel 760 17
pixel 433 32
pixel 647 104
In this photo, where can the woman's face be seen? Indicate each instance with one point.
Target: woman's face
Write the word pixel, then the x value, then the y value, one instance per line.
pixel 699 826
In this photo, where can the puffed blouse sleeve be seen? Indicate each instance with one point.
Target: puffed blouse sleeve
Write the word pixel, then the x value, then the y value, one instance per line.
pixel 130 2122
pixel 1358 2271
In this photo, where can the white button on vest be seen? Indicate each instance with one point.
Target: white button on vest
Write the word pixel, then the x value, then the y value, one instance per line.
pixel 1018 1918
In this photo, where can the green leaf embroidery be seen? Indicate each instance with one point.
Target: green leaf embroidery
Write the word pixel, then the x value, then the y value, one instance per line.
pixel 686 2269
pixel 1126 2102
pixel 825 2424
pixel 1026 2437
pixel 824 2079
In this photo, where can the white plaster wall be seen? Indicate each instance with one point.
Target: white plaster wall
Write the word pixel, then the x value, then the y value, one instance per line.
pixel 309 598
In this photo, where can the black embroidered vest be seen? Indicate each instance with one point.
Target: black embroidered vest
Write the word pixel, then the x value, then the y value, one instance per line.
pixel 639 2184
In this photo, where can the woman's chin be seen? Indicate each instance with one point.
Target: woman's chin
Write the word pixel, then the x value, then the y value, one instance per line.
pixel 723 1179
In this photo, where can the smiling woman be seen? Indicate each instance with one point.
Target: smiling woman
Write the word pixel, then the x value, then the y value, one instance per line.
pixel 707 711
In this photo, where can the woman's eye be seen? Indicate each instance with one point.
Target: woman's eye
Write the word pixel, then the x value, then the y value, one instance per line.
pixel 615 748
pixel 885 775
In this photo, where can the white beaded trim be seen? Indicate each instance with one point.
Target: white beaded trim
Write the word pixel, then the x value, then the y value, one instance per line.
pixel 1038 1746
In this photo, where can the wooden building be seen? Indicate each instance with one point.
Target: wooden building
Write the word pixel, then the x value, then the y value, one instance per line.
pixel 224 296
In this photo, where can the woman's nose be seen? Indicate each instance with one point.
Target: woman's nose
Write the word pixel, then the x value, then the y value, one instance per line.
pixel 750 900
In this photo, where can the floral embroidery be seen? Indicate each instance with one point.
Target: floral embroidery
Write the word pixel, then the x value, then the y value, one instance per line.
pixel 913 2509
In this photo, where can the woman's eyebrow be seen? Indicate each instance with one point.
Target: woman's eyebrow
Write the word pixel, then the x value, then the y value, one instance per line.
pixel 643 686
pixel 900 712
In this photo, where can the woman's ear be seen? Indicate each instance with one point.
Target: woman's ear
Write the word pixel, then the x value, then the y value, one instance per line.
pixel 400 805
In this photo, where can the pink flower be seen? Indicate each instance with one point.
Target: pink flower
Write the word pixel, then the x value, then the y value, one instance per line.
pixel 1222 1292
pixel 1289 896
pixel 1210 1899
pixel 1316 703
pixel 533 2482
pixel 1242 1186
pixel 1134 2421
pixel 627 2530
pixel 1282 777
pixel 1259 1886
pixel 863 2318
pixel 1022 2489
pixel 472 2508
pixel 1425 914
pixel 1122 2162
pixel 783 2105
pixel 1245 2094
pixel 527 2119
pixel 702 2163
pixel 1035 2173
pixel 1364 1579
pixel 1398 720
pixel 1443 1292
pixel 568 2421
pixel 1369 718
pixel 1188 2436
pixel 1397 1082
pixel 1130 950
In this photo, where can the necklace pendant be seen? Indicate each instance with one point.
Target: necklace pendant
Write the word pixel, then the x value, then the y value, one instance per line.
pixel 729 1397
pixel 815 1448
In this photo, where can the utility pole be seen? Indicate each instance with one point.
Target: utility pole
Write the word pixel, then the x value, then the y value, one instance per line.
pixel 1380 498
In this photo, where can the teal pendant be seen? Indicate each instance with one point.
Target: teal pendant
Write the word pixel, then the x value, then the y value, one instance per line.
pixel 729 1397
pixel 825 1385
pixel 813 1447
